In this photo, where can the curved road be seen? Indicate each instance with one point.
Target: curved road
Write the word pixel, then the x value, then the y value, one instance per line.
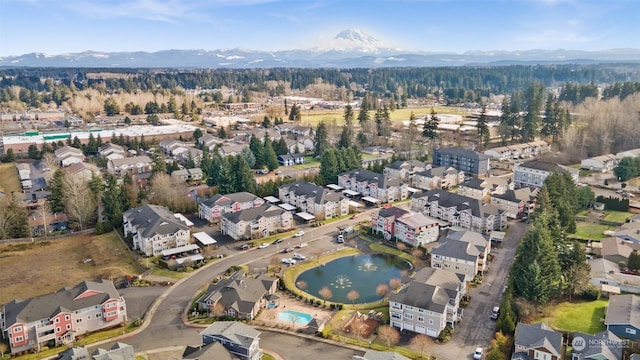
pixel 163 325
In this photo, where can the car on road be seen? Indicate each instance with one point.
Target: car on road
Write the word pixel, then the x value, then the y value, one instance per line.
pixel 302 245
pixel 495 313
pixel 288 261
pixel 263 245
pixel 340 239
pixel 245 247
pixel 354 216
pixel 477 355
pixel 299 234
pixel 277 241
pixel 288 250
pixel 297 256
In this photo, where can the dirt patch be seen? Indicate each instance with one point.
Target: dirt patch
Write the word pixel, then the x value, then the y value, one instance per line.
pixel 360 325
pixel 9 181
pixel 39 268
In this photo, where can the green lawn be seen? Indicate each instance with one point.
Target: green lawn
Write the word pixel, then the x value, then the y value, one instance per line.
pixel 583 316
pixel 610 215
pixel 591 231
pixel 309 162
pixel 328 116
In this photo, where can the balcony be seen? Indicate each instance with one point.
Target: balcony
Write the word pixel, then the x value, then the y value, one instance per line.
pixel 44 327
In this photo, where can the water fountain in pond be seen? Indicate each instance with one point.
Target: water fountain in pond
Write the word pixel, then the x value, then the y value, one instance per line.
pixel 368 265
pixel 341 282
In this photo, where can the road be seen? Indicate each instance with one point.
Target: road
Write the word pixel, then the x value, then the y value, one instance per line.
pixel 476 329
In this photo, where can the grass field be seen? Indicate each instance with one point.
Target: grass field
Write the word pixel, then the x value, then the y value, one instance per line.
pixel 610 215
pixel 34 269
pixel 583 316
pixel 591 231
pixel 9 180
pixel 314 117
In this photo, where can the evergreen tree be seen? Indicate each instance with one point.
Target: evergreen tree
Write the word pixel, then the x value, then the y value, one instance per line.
pixel 280 147
pixel 113 201
pixel 266 122
pixel 507 319
pixel 190 163
pixel 248 157
pixel 286 108
pixel 243 177
pixel 329 167
pixel 257 148
pixel 56 198
pixel 159 163
pixel 270 157
pixel 295 114
pixel 392 102
pixel 321 141
pixel 197 134
pixel 483 127
pixel 347 130
pixel 633 263
pixel 431 126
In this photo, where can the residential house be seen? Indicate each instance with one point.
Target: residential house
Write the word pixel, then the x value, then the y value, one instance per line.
pixel 239 296
pixel 633 153
pixel 241 340
pixel 482 189
pixel 214 350
pixel 212 208
pixel 119 351
pixel 62 315
pixel 384 220
pixel 606 276
pixel 305 144
pixel 615 249
pixel 168 145
pixel 231 150
pixel 154 228
pixel 379 355
pixel 68 155
pixel 290 159
pixel 416 229
pixel 428 302
pixel 463 252
pixel 600 346
pixel 629 232
pixel 195 174
pixel 437 178
pixel 209 141
pixel 622 316
pixel 470 162
pixel 534 172
pixel 111 151
pixel 82 171
pixel 180 175
pixel 519 151
pixel 516 203
pixel 300 131
pixel 256 222
pixel 130 165
pixel 313 199
pixel 53 222
pixel 184 153
pixel 602 163
pixel 375 185
pixel 537 341
pixel 405 169
pixel 285 128
pixel 24 171
pixel 460 211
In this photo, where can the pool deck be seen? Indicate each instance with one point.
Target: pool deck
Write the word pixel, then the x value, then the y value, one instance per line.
pixel 270 316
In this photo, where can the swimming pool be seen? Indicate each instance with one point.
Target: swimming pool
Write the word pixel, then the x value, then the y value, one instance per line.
pixel 296 317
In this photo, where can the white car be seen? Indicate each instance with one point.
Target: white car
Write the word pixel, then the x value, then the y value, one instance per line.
pixel 340 238
pixel 302 245
pixel 477 355
pixel 297 256
pixel 299 234
pixel 263 245
pixel 288 261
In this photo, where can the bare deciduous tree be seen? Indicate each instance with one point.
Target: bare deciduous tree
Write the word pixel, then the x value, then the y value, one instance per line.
pixel 79 202
pixel 423 343
pixel 302 285
pixel 353 295
pixel 326 293
pixel 382 289
pixel 395 283
pixel 49 160
pixel 389 335
pixel 170 192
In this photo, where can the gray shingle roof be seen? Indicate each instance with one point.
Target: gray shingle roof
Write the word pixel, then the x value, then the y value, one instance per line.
pixel 239 291
pixel 380 355
pixel 362 175
pixel 623 310
pixel 474 184
pixel 457 249
pixel 150 220
pixel 471 237
pixel 319 194
pixel 542 165
pixel 228 199
pixel 439 277
pixel 463 153
pixel 215 350
pixel 392 212
pixel 400 164
pixel 63 300
pixel 416 220
pixel 610 349
pixel 235 331
pixel 539 335
pixel 131 161
pixel 439 171
pixel 433 298
pixel 264 211
pixel 119 351
pixel 460 203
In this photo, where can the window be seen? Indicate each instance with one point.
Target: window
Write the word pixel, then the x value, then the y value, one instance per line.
pixel 17 329
pixel 430 321
pixel 57 330
pixel 68 327
pixel 78 320
pixel 630 331
pixel 57 320
pixel 88 317
pixel 420 318
pixel 67 317
pixel 18 339
pixel 408 316
pixel 407 307
pixel 98 315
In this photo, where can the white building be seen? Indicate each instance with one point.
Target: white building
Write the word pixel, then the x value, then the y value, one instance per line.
pixel 154 229
pixel 535 172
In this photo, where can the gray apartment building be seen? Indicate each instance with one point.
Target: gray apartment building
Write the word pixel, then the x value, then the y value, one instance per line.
pixel 472 163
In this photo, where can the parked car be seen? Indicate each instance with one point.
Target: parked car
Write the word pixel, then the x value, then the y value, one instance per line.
pixel 301 245
pixel 299 234
pixel 245 247
pixel 287 250
pixel 263 245
pixel 340 238
pixel 495 313
pixel 277 241
pixel 354 216
pixel 297 256
pixel 477 355
pixel 288 261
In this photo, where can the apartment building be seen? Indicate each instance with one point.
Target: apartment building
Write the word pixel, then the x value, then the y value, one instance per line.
pixel 212 208
pixel 154 228
pixel 468 161
pixel 313 199
pixel 256 222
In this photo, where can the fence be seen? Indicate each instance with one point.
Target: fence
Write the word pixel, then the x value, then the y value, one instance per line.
pixel 600 221
pixel 45 238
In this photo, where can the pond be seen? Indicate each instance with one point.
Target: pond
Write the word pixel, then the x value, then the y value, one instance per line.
pixel 362 273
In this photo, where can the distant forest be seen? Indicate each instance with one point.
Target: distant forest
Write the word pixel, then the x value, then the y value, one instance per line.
pixel 458 84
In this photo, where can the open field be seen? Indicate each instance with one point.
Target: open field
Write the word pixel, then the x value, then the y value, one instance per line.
pixel 34 269
pixel 610 215
pixel 314 117
pixel 591 231
pixel 9 181
pixel 583 316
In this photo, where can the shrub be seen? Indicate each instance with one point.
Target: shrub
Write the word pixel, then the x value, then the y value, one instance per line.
pixel 591 293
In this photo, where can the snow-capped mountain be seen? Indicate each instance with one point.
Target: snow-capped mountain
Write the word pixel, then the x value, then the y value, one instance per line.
pixel 348 49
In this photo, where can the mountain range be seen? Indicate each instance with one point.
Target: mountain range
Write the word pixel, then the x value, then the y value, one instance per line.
pixel 350 48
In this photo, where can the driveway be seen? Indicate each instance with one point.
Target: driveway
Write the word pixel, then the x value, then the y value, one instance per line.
pixel 476 329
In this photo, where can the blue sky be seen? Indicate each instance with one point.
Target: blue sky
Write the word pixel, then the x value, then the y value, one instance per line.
pixel 61 26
